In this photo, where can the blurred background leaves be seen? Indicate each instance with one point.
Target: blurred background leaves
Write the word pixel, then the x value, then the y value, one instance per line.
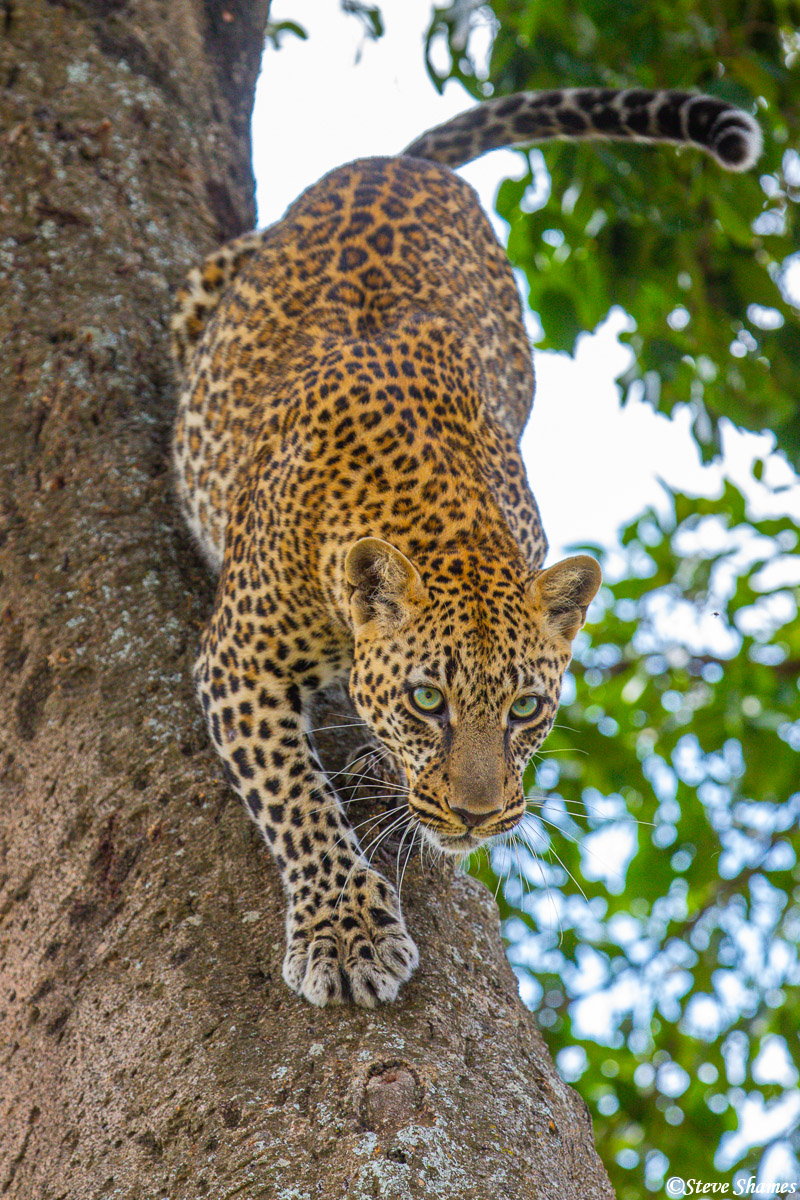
pixel 699 258
pixel 652 901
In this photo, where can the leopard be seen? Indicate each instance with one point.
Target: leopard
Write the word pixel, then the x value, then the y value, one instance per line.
pixel 354 381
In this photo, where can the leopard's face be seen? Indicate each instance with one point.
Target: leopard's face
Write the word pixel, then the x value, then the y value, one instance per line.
pixel 462 731
pixel 461 683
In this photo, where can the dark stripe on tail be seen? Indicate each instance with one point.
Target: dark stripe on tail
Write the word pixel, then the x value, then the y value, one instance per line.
pixel 729 134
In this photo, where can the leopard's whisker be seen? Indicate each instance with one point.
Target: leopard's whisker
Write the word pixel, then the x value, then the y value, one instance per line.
pixel 515 843
pixel 537 860
pixel 372 758
pixel 381 836
pixel 348 725
pixel 415 831
pixel 561 863
pixel 560 750
pixel 363 777
pixel 410 829
pixel 379 796
pixel 357 865
pixel 372 751
pixel 497 885
pixel 367 821
pixel 373 779
pixel 382 840
pixel 583 846
pixel 574 809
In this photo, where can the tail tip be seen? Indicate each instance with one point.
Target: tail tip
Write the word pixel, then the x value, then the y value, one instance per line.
pixel 737 140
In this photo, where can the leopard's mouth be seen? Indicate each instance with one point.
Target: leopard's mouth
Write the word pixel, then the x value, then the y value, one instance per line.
pixel 462 843
pixel 447 833
pixel 457 843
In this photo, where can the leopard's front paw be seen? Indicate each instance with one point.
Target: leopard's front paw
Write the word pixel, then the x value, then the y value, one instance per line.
pixel 353 936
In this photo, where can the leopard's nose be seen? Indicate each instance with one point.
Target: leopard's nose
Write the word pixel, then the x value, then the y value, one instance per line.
pixel 471 819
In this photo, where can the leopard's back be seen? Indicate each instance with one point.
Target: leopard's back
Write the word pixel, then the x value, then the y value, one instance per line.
pixel 380 251
pixel 376 243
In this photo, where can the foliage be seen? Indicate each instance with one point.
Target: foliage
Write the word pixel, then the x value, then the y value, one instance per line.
pixel 675 971
pixel 697 257
pixel 275 31
pixel 369 16
pixel 653 907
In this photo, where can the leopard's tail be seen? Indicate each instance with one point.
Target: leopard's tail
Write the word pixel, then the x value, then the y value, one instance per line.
pixel 729 134
pixel 200 292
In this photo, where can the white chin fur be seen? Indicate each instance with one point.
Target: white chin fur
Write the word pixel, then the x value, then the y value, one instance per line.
pixel 445 846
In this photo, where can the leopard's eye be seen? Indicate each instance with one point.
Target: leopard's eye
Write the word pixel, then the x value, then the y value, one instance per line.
pixel 428 700
pixel 525 707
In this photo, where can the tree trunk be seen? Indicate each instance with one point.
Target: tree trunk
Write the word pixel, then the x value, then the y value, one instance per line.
pixel 149 1047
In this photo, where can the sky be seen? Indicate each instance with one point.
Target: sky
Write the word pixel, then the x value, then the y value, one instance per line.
pixel 592 464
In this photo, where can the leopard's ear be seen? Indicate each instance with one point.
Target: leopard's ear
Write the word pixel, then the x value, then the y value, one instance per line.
pixel 563 592
pixel 383 583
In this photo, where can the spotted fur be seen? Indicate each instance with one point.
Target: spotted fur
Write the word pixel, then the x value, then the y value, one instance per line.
pixel 731 136
pixel 355 382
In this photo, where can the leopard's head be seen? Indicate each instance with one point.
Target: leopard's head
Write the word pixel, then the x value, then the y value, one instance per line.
pixel 457 670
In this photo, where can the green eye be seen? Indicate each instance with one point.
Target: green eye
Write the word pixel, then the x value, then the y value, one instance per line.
pixel 525 707
pixel 427 699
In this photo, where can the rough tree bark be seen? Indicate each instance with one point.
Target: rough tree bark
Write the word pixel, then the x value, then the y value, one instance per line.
pixel 148 1045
